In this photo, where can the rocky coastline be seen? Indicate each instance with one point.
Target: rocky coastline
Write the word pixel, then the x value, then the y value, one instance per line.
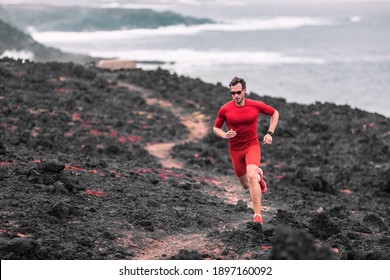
pixel 79 181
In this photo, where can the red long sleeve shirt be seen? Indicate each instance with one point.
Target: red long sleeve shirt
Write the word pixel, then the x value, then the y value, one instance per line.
pixel 243 120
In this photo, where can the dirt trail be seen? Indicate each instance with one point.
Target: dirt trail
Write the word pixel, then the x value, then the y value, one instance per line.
pixel 195 123
pixel 198 128
pixel 231 192
pixel 171 246
pixel 228 188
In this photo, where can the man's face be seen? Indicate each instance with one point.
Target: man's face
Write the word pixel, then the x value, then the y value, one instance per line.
pixel 237 93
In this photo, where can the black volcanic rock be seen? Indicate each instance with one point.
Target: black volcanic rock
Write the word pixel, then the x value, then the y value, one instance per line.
pixel 290 244
pixel 77 181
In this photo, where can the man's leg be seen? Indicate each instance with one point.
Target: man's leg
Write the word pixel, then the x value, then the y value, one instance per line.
pixel 250 181
pixel 244 181
pixel 254 187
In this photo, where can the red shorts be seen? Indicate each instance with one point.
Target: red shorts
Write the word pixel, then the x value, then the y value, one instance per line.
pixel 243 157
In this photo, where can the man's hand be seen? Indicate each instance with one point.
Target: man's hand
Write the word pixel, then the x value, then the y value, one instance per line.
pixel 230 134
pixel 267 139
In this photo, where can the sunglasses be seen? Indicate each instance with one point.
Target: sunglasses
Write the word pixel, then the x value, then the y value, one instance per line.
pixel 236 92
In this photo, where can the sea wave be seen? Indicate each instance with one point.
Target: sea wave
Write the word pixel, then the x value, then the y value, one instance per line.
pixel 355 19
pixel 171 4
pixel 191 58
pixel 15 54
pixel 182 30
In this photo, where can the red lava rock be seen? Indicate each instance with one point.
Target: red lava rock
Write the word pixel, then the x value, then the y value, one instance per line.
pixel 96 193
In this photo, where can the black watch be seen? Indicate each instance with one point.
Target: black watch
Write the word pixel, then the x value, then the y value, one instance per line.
pixel 270 133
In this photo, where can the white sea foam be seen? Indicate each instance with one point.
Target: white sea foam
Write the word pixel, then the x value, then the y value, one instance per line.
pixel 115 5
pixel 355 19
pixel 191 58
pixel 24 55
pixel 159 5
pixel 181 30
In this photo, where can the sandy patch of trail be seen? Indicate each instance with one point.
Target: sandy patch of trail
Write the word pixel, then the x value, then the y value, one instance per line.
pixel 195 123
pixel 230 191
pixel 172 245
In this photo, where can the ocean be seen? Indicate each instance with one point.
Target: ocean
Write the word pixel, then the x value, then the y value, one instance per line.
pixel 337 52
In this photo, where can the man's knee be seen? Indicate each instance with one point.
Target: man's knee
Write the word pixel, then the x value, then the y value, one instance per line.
pixel 252 178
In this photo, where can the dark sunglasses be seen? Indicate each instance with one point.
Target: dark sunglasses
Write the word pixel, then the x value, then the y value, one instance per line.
pixel 236 92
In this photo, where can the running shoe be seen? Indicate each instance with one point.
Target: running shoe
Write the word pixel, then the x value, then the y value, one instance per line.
pixel 257 219
pixel 263 184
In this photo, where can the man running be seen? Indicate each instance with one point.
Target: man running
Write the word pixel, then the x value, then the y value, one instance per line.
pixel 241 115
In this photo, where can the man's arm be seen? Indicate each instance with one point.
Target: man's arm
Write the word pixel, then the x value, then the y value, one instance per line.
pixel 272 126
pixel 225 135
pixel 273 121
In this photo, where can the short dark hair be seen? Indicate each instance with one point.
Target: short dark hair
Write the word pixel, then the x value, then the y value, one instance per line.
pixel 237 80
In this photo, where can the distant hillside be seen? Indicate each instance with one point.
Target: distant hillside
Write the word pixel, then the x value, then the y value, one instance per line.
pixel 13 40
pixel 4 15
pixel 54 18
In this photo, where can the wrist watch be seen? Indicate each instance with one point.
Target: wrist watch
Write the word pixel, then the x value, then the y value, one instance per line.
pixel 270 133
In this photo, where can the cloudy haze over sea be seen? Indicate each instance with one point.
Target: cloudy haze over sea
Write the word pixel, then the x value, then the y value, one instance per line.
pixel 307 51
